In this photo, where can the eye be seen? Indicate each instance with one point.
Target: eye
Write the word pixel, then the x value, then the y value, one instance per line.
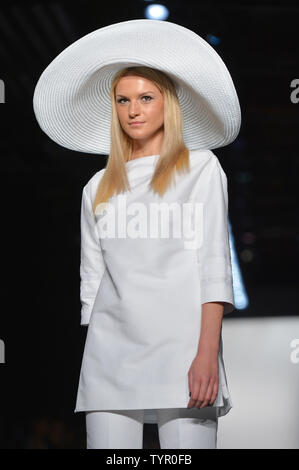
pixel 145 96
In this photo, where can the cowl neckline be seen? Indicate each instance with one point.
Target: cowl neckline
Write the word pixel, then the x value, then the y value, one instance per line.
pixel 147 160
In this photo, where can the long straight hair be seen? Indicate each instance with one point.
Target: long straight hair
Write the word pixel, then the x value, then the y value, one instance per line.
pixel 174 155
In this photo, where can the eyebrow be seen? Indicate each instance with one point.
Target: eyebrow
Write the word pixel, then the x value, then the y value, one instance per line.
pixel 139 95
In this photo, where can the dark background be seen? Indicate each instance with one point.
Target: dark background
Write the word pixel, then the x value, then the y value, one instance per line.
pixel 41 185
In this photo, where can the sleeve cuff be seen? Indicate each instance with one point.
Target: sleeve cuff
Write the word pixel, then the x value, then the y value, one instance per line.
pixel 88 292
pixel 85 315
pixel 221 291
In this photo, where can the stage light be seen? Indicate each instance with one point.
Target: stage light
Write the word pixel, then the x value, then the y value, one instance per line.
pixel 240 295
pixel 213 40
pixel 156 12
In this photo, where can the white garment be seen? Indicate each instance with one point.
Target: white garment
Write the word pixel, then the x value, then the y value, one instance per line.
pixel 178 428
pixel 141 297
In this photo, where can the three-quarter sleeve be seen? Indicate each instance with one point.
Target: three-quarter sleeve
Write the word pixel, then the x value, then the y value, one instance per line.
pixel 214 254
pixel 92 264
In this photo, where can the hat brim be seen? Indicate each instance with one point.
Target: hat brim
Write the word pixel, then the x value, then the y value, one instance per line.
pixel 71 99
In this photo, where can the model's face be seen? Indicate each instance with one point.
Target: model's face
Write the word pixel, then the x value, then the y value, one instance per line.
pixel 138 99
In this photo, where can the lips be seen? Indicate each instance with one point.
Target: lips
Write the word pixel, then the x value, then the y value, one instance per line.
pixel 136 123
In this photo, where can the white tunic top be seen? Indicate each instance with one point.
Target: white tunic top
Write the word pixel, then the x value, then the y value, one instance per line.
pixel 142 292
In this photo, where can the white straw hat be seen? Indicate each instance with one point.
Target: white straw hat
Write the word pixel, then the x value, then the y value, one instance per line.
pixel 72 102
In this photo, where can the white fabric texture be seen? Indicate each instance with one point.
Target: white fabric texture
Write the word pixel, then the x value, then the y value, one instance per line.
pixel 142 297
pixel 178 428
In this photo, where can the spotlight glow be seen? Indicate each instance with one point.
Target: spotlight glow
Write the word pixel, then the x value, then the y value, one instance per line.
pixel 240 295
pixel 156 12
pixel 213 40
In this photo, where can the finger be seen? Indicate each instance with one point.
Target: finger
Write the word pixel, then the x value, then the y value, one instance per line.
pixel 192 400
pixel 215 391
pixel 202 393
pixel 190 382
pixel 202 399
pixel 194 393
pixel 208 393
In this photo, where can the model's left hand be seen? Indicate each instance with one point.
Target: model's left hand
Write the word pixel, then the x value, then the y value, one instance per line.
pixel 203 379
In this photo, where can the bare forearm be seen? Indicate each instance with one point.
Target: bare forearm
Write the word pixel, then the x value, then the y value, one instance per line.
pixel 211 322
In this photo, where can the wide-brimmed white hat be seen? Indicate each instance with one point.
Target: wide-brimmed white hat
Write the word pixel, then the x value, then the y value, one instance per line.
pixel 72 101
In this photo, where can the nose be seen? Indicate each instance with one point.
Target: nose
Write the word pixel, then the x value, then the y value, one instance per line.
pixel 133 108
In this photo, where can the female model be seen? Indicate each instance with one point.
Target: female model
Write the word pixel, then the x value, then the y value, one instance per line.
pixel 155 268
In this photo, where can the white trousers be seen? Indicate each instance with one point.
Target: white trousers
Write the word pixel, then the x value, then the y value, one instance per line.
pixel 179 428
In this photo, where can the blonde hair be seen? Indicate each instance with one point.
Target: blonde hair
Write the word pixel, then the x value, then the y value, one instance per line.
pixel 174 155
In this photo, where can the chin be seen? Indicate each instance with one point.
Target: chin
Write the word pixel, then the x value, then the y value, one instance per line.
pixel 138 134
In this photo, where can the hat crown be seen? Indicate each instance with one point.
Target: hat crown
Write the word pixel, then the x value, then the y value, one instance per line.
pixel 72 102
